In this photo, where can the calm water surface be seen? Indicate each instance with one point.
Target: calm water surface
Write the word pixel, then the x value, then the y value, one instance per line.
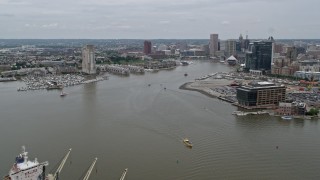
pixel 127 124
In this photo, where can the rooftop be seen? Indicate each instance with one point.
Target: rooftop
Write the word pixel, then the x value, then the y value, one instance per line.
pixel 259 85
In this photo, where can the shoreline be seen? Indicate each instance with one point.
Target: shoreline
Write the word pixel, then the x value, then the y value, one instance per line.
pixel 186 86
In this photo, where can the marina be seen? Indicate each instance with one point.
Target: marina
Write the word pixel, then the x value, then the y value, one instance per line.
pixel 57 81
pixel 8 79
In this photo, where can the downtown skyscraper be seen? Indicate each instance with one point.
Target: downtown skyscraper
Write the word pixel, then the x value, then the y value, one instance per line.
pixel 260 58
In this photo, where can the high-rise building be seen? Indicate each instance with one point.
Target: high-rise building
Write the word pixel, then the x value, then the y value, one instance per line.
pixel 246 43
pixel 88 60
pixel 241 43
pixel 214 39
pixel 230 47
pixel 147 47
pixel 260 58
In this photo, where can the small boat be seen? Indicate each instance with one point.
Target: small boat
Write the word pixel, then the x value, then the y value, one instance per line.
pixel 286 117
pixel 239 113
pixel 63 93
pixel 187 142
pixel 185 74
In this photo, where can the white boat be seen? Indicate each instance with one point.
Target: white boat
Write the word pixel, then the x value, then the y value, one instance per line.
pixel 23 169
pixel 63 93
pixel 286 117
pixel 239 113
pixel 187 142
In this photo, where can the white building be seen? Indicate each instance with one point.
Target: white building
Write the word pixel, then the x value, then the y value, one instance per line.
pixel 308 75
pixel 88 60
pixel 310 65
pixel 230 47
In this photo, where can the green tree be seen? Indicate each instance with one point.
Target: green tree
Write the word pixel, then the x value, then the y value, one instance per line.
pixel 313 112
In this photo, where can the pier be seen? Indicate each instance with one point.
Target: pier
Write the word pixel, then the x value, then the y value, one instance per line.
pixel 242 113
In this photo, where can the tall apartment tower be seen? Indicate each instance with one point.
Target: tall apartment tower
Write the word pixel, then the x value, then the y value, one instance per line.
pixel 214 39
pixel 147 47
pixel 230 47
pixel 88 60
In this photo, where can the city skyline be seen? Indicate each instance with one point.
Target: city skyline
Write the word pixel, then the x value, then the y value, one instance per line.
pixel 168 19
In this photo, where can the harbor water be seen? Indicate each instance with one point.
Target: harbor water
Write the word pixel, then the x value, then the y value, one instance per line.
pixel 138 122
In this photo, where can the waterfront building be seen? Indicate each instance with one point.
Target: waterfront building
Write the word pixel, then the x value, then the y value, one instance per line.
pixel 147 47
pixel 88 60
pixel 294 108
pixel 232 61
pixel 285 109
pixel 299 108
pixel 261 95
pixel 214 39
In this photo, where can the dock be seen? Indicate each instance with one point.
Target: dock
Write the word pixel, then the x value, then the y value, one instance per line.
pixel 206 77
pixel 242 113
pixel 124 174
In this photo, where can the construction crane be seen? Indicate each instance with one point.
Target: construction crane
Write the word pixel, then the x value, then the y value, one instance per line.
pixel 55 176
pixel 86 177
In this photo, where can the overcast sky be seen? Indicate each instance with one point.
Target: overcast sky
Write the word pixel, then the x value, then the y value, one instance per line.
pixel 150 19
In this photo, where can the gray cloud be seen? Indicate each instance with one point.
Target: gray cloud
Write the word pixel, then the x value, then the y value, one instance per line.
pixel 6 15
pixel 158 19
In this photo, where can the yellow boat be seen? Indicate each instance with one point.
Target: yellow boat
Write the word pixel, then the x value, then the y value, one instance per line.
pixel 187 142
